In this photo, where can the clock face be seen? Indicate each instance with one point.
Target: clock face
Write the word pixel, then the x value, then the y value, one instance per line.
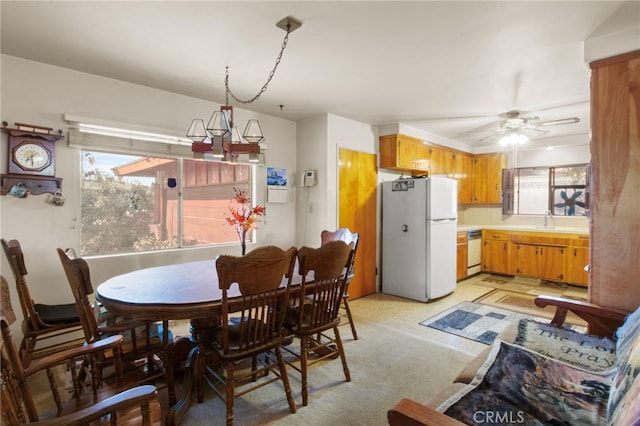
pixel 32 156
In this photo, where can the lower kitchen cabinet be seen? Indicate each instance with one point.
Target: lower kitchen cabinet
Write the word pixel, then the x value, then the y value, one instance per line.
pixel 495 252
pixel 540 261
pixel 461 256
pixel 578 261
pixel 549 256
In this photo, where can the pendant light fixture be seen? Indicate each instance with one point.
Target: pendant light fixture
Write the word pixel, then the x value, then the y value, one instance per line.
pixel 220 137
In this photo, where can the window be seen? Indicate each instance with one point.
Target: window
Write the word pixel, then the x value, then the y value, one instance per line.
pixel 133 203
pixel 563 190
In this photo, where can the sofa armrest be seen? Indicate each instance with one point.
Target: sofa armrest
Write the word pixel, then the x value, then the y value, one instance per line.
pixel 410 413
pixel 602 321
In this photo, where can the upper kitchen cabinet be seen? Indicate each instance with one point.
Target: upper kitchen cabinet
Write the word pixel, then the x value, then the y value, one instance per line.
pixel 487 174
pixel 404 153
pixel 442 161
pixel 463 172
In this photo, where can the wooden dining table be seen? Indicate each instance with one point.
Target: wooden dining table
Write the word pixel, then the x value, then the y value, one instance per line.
pixel 172 292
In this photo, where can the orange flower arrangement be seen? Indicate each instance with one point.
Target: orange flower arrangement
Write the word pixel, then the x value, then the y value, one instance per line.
pixel 242 216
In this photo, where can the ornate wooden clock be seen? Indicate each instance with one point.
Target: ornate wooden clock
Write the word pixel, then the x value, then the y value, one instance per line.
pixel 31 159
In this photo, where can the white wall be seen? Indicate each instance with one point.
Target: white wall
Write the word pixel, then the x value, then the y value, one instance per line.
pixel 40 94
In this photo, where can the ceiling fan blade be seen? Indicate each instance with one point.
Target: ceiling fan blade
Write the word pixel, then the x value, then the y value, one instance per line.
pixel 569 120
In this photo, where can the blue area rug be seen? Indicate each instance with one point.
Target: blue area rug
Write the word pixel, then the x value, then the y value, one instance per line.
pixel 475 321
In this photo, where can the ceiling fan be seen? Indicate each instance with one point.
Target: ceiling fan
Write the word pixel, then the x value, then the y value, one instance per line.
pixel 516 127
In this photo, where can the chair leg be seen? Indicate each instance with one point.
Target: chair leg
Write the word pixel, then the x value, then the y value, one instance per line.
pixel 345 303
pixel 304 351
pixel 345 367
pixel 285 380
pixel 230 392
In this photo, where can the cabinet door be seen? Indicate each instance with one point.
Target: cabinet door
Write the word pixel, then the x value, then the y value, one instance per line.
pixel 579 259
pixel 442 162
pixel 551 262
pixel 461 261
pixel 488 178
pixel 527 260
pixel 422 160
pixel 463 165
pixel 495 256
pixel 406 153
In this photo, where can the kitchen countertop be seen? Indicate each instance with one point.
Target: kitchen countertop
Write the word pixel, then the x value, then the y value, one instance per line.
pixel 526 228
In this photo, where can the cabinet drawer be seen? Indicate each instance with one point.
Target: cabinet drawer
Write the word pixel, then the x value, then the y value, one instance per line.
pixel 495 235
pixel 461 238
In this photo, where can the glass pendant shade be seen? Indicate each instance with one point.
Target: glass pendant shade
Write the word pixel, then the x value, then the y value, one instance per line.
pixel 235 135
pixel 252 132
pixel 216 147
pixel 197 132
pixel 218 124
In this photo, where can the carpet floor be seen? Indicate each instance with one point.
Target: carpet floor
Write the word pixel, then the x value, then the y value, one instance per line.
pixel 385 365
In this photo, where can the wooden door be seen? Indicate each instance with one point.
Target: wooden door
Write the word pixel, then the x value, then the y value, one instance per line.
pixel 357 204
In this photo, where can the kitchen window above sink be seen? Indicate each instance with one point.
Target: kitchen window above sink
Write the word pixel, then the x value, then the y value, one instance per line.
pixel 562 190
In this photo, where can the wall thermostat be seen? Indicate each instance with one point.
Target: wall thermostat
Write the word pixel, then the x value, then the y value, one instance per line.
pixel 309 178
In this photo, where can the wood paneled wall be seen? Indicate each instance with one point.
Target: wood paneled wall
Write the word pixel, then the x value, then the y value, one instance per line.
pixel 615 166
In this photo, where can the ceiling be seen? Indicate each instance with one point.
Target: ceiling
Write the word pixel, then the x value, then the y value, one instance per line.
pixel 445 68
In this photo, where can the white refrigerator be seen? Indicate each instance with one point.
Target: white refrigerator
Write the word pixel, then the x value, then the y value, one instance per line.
pixel 419 221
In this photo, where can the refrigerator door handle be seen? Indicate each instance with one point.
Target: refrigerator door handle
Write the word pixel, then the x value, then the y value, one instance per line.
pixel 405 228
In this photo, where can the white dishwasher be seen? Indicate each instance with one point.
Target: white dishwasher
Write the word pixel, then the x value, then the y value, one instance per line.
pixel 474 252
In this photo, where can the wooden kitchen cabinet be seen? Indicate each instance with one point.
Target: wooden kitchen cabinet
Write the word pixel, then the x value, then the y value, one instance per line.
pixel 540 261
pixel 496 252
pixel 463 173
pixel 404 153
pixel 487 173
pixel 442 161
pixel 578 258
pixel 461 256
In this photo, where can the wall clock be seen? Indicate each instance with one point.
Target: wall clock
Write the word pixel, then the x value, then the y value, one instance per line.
pixel 31 158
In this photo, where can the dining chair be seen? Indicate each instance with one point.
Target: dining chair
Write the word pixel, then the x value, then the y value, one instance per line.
pixel 142 341
pixel 40 321
pixel 316 310
pixel 344 234
pixel 27 399
pixel 251 325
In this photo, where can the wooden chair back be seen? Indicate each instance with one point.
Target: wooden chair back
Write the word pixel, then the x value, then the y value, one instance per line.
pixel 342 234
pixel 138 405
pixel 320 300
pixel 253 322
pixel 14 254
pixel 79 278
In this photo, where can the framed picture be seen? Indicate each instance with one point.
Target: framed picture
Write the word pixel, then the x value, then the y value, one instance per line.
pixel 276 177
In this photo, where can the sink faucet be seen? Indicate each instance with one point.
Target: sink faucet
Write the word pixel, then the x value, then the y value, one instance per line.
pixel 548 214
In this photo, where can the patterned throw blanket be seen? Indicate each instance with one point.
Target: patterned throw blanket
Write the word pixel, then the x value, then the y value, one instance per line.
pixel 591 353
pixel 585 381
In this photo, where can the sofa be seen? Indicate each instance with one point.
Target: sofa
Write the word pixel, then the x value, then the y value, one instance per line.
pixel 545 373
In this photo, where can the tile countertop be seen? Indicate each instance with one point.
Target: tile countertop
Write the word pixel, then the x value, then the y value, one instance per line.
pixel 526 228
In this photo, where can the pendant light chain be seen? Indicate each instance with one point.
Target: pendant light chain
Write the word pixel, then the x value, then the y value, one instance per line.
pixel 264 87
